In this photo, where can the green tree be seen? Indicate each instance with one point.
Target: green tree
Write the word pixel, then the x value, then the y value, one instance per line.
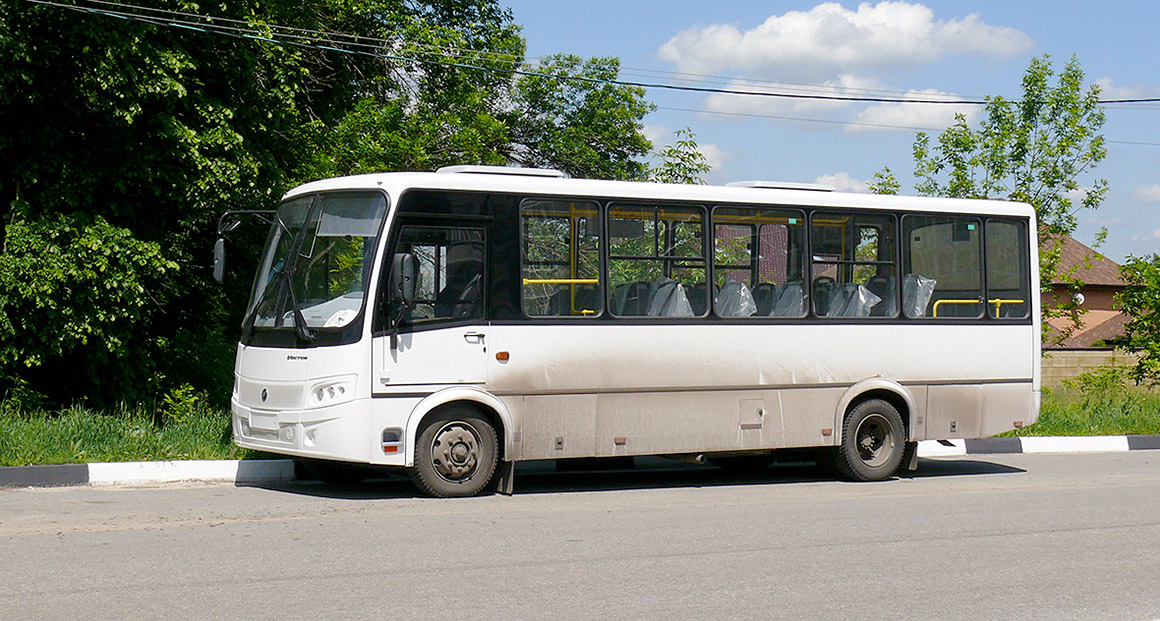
pixel 134 135
pixel 1140 301
pixel 884 182
pixel 577 122
pixel 1036 149
pixel 682 161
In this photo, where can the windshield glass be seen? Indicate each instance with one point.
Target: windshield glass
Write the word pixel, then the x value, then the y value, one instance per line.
pixel 317 260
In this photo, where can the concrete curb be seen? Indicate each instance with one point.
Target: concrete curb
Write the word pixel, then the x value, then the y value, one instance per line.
pixel 1032 444
pixel 272 470
pixel 146 472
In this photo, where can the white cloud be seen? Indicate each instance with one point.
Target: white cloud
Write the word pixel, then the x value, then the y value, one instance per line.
pixel 843 182
pixel 1110 90
pixel 1154 235
pixel 715 156
pixel 1147 193
pixel 830 40
pixel 845 85
pixel 661 136
pixel 911 116
pixel 658 135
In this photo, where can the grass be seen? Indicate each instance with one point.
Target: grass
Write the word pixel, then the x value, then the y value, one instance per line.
pixel 82 435
pixel 1101 402
pixel 1098 403
pixel 1068 412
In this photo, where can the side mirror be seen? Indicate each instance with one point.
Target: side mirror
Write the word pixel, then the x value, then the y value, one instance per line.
pixel 219 260
pixel 403 273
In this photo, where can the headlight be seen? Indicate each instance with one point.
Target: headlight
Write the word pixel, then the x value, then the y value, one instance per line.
pixel 330 393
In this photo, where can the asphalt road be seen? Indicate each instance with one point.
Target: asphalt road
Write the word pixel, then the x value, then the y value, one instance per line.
pixel 1002 536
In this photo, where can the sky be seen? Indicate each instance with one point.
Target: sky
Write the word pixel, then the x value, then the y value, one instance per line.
pixel 915 49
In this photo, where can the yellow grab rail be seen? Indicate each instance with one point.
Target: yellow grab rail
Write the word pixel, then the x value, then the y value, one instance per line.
pixel 561 281
pixel 997 302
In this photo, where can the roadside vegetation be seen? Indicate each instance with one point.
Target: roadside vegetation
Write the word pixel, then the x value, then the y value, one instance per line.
pixel 1103 402
pixel 78 434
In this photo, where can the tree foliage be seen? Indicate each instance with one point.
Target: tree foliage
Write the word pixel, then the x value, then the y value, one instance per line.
pixel 1140 301
pixel 1034 150
pixel 132 137
pixel 1038 149
pixel 682 161
pixel 585 127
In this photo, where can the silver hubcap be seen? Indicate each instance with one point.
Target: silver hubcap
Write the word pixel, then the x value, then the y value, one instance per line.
pixel 874 440
pixel 455 451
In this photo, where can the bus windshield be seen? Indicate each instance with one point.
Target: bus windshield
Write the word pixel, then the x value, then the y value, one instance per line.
pixel 317 261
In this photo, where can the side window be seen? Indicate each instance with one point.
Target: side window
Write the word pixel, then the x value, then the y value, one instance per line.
pixel 450 283
pixel 852 267
pixel 942 261
pixel 656 262
pixel 1008 291
pixel 560 258
pixel 757 263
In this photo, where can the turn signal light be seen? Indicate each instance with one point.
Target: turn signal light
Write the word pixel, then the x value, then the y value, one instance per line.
pixel 502 356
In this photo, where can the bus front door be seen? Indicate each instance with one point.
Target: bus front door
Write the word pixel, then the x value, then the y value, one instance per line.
pixel 450 355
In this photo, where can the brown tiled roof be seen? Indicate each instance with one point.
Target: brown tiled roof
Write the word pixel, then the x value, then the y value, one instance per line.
pixel 1095 326
pixel 1100 271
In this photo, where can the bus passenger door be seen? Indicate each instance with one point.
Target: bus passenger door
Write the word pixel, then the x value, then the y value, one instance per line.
pixel 441 337
pixel 452 355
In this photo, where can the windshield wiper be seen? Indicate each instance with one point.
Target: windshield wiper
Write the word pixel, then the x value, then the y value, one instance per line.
pixel 284 286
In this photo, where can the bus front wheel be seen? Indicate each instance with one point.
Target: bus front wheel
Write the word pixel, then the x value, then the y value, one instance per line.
pixel 455 455
pixel 873 442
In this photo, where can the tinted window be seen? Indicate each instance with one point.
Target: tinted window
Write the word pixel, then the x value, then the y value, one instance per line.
pixel 560 258
pixel 757 263
pixel 853 272
pixel 656 258
pixel 942 258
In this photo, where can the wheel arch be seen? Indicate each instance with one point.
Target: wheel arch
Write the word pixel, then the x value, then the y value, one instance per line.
pixel 487 404
pixel 877 388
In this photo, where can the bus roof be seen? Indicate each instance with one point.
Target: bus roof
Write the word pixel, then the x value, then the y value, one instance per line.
pixel 541 183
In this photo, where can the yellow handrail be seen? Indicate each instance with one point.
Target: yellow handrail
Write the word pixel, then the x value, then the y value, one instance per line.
pixel 997 302
pixel 561 281
pixel 934 311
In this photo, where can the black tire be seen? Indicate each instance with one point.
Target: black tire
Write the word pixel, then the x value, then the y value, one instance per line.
pixel 743 464
pixel 873 442
pixel 455 454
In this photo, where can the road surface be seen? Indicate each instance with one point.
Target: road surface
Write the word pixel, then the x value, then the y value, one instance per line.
pixel 981 536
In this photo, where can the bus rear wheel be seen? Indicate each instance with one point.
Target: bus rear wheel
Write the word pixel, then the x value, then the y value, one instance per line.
pixel 873 442
pixel 455 455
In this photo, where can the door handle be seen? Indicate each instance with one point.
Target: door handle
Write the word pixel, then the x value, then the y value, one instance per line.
pixel 473 337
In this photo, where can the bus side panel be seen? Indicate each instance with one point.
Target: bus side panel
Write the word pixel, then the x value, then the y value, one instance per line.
pixel 558 426
pixel 649 388
pixel 650 422
pixel 1006 406
pixel 807 412
pixel 954 411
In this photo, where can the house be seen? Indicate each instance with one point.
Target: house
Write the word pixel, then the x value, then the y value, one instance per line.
pixel 1101 279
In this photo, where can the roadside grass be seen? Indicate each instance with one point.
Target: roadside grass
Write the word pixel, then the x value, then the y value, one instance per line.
pixel 183 426
pixel 1102 402
pixel 82 435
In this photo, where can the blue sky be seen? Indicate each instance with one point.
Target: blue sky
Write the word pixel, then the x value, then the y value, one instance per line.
pixel 956 48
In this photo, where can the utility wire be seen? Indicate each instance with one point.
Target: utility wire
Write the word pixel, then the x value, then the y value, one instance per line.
pixel 301 37
pixel 797 119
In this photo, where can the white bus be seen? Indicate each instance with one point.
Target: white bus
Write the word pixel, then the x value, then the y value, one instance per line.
pixel 454 323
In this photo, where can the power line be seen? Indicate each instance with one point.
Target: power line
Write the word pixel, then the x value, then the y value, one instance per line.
pixel 301 37
pixel 799 119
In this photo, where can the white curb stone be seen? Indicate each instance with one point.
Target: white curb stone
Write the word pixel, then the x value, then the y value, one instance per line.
pixel 129 473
